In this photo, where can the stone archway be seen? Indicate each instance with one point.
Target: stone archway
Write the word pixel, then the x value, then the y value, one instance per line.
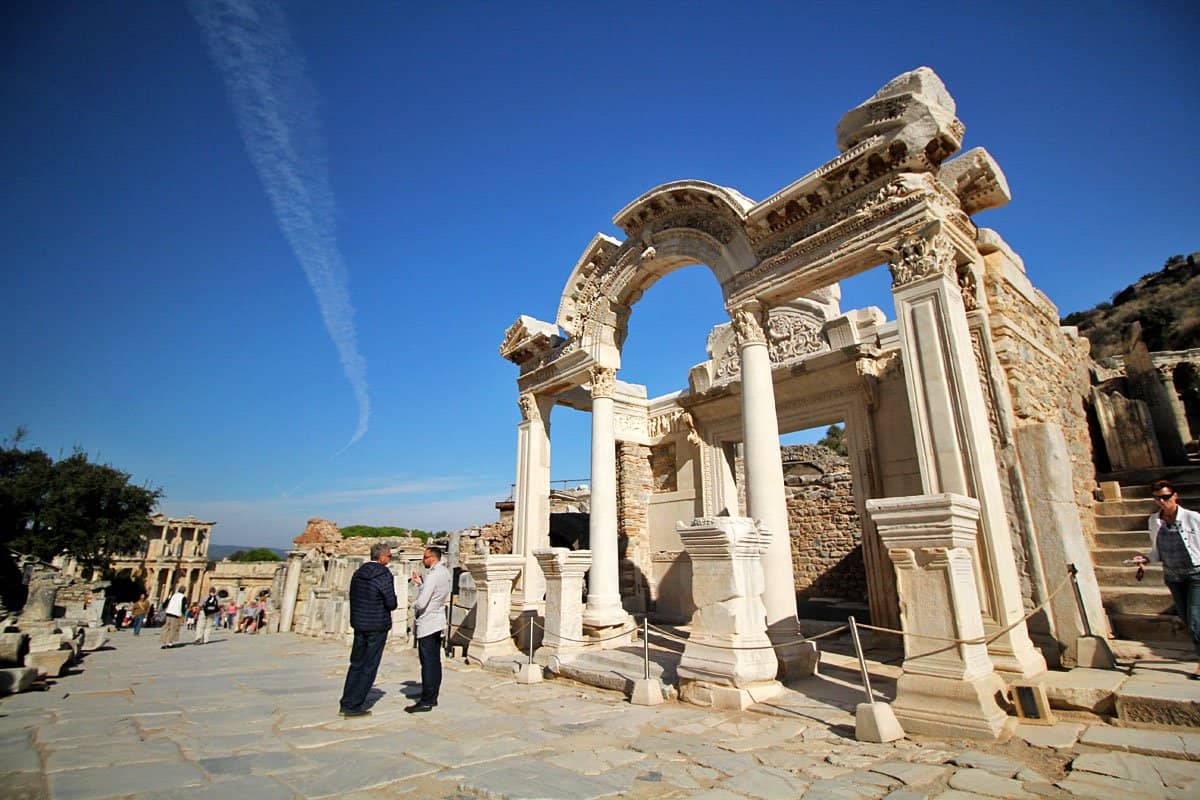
pixel 891 196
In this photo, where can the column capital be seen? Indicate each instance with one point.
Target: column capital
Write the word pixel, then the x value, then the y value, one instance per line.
pixel 494 567
pixel 919 254
pixel 749 323
pixel 604 381
pixel 562 562
pixel 529 407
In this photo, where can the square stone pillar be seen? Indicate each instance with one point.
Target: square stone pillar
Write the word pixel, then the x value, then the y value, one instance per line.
pixel 494 576
pixel 947 689
pixel 728 661
pixel 950 425
pixel 564 570
pixel 400 585
pixel 531 499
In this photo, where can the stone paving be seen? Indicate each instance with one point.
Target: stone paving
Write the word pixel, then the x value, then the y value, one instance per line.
pixel 249 717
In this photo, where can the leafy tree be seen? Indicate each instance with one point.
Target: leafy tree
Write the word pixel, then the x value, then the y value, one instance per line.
pixel 383 532
pixel 255 554
pixel 835 439
pixel 90 510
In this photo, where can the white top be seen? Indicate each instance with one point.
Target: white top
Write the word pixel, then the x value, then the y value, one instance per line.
pixel 1189 528
pixel 175 604
pixel 431 600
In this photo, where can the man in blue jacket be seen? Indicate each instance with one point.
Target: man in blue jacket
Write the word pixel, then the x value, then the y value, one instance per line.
pixel 372 601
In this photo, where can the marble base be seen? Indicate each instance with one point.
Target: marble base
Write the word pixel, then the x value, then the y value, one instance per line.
pixel 951 706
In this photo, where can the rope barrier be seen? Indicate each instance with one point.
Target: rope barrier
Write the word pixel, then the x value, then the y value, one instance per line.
pixel 976 639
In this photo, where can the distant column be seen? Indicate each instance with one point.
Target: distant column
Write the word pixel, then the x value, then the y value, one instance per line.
pixel 291 589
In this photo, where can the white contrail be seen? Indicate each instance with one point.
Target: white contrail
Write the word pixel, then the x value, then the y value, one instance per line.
pixel 276 110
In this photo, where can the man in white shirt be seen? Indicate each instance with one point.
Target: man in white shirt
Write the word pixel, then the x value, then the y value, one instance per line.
pixel 174 611
pixel 430 608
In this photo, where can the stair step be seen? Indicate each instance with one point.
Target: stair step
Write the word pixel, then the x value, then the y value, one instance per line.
pixel 1138 600
pixel 1122 522
pixel 1135 491
pixel 1114 556
pixel 1150 628
pixel 1133 539
pixel 1122 575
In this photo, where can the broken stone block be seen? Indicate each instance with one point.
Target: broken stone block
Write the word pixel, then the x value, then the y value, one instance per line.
pixel 94 639
pixel 13 647
pixel 49 663
pixel 16 679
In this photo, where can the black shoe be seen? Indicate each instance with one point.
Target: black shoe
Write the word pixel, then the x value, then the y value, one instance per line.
pixel 417 708
pixel 355 712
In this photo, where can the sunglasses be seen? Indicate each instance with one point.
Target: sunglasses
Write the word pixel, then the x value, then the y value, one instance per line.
pixel 1162 498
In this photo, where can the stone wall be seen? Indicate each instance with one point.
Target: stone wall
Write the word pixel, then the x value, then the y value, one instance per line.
pixel 823 521
pixel 635 482
pixel 826 531
pixel 1045 365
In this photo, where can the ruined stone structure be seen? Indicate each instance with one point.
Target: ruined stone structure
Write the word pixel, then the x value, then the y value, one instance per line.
pixel 973 395
pixel 310 591
pixel 176 554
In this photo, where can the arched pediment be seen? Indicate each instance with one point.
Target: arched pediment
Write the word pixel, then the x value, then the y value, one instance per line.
pixel 671 198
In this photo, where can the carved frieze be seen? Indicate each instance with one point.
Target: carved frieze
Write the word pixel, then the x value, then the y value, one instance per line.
pixel 791 334
pixel 528 339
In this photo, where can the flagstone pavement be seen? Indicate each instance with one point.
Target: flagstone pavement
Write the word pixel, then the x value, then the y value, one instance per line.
pixel 249 717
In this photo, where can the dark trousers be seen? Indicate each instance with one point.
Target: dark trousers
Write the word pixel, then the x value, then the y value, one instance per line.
pixel 1185 590
pixel 429 650
pixel 364 663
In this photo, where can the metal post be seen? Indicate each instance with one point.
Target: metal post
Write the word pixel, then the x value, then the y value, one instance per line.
pixel 646 648
pixel 531 638
pixel 862 662
pixel 1087 626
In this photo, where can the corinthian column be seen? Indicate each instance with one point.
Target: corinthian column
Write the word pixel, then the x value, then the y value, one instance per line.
pixel 604 608
pixel 765 498
pixel 950 425
pixel 531 497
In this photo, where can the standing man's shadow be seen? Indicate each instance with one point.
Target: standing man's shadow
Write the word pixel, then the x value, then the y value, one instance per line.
pixel 374 695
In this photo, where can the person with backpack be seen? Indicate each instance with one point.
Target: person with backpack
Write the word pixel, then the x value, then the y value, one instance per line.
pixel 209 616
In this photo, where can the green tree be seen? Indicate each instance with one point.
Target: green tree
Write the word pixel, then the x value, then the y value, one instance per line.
pixel 382 532
pixel 256 554
pixel 74 505
pixel 835 439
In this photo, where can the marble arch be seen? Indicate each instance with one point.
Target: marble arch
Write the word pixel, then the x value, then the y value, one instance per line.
pixel 927 392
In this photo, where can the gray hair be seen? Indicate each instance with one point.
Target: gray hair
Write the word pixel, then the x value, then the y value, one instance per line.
pixel 379 548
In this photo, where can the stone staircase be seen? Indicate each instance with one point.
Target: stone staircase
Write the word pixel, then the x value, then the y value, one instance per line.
pixel 1139 611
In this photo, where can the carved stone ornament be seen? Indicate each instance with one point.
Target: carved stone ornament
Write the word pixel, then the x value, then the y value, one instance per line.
pixel 919 256
pixel 604 381
pixel 791 334
pixel 748 324
pixel 529 407
pixel 527 339
pixel 969 288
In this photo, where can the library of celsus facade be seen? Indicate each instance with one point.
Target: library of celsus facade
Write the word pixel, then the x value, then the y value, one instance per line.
pixel 963 404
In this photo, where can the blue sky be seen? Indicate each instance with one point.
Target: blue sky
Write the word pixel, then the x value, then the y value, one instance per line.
pixel 223 266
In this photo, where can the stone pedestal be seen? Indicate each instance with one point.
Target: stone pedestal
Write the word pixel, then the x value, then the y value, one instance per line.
pixel 728 661
pixel 291 590
pixel 947 689
pixel 563 570
pixel 493 576
pixel 400 586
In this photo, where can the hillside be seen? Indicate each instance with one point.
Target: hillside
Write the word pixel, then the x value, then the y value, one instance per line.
pixel 217 552
pixel 1166 303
